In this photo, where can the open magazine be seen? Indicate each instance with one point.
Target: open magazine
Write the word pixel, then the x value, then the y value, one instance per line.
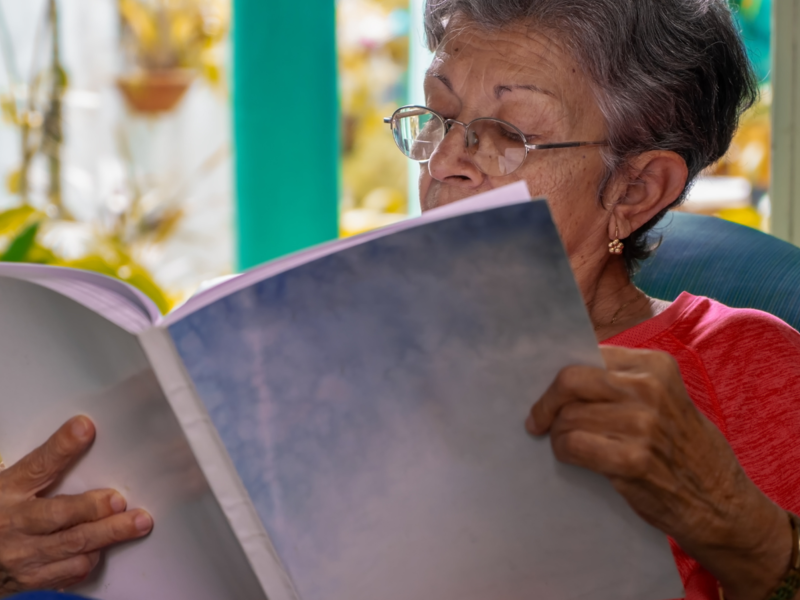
pixel 345 423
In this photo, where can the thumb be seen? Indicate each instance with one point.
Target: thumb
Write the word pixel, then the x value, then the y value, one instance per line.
pixel 42 467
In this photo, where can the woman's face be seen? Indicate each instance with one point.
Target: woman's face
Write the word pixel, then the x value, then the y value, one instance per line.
pixel 527 78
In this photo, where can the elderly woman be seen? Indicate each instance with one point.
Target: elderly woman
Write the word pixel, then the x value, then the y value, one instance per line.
pixel 609 109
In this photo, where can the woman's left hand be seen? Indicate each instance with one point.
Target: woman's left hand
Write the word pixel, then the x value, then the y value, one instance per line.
pixel 635 423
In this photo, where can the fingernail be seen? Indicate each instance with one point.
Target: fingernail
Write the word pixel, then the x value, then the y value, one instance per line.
pixel 80 428
pixel 118 503
pixel 143 522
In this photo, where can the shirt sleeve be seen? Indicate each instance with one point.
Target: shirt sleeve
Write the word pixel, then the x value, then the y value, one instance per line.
pixel 753 360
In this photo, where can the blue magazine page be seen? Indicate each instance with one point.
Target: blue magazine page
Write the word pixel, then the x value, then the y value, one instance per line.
pixel 373 403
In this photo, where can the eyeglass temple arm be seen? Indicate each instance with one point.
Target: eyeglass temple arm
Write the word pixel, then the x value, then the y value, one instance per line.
pixel 409 112
pixel 388 121
pixel 563 145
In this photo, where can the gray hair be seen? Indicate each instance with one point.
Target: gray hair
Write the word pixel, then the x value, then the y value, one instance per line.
pixel 667 74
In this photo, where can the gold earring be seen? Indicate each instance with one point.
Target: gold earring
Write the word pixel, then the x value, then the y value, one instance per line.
pixel 616 246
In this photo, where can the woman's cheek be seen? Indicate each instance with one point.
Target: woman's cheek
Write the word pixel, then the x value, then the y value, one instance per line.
pixel 424 180
pixel 573 200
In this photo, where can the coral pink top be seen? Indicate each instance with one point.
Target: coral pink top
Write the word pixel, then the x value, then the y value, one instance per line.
pixel 742 370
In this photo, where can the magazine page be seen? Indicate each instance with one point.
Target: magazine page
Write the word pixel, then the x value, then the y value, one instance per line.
pixel 509 194
pixel 373 401
pixel 60 359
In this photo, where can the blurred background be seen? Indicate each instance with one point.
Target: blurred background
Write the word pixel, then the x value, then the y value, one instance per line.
pixel 115 143
pixel 171 142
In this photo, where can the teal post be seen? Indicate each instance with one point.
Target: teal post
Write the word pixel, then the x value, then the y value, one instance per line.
pixel 286 126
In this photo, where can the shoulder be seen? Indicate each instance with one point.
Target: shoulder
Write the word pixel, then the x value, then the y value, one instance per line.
pixel 750 361
pixel 731 359
pixel 701 324
pixel 708 326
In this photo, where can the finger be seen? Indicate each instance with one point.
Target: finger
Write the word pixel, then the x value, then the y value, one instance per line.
pixel 611 457
pixel 617 420
pixel 43 516
pixel 572 384
pixel 61 574
pixel 90 537
pixel 43 466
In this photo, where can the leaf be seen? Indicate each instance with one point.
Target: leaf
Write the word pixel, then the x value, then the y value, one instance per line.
pixel 61 79
pixel 750 8
pixel 212 73
pixel 40 255
pixel 91 262
pixel 14 219
pixel 20 245
pixel 14 182
pixel 141 21
pixel 183 28
pixel 167 223
pixel 8 108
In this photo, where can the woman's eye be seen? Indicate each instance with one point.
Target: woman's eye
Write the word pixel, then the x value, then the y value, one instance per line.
pixel 509 133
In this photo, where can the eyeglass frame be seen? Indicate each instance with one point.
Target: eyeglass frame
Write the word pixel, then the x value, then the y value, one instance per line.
pixel 448 123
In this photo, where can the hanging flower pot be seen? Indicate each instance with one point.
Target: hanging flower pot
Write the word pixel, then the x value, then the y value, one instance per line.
pixel 157 91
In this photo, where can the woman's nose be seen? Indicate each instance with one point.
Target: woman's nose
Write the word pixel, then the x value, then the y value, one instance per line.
pixel 451 163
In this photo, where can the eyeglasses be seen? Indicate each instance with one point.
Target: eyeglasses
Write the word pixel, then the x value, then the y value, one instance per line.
pixel 495 147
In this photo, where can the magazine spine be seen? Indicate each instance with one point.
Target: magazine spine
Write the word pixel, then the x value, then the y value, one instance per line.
pixel 216 464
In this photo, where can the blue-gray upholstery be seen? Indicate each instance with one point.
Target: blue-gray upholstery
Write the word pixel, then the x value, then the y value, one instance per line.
pixel 738 266
pixel 45 596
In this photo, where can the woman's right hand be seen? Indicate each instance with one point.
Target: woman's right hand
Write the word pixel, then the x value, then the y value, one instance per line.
pixel 635 423
pixel 53 543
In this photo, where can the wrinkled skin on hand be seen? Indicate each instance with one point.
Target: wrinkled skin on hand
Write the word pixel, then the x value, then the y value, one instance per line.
pixel 53 543
pixel 635 423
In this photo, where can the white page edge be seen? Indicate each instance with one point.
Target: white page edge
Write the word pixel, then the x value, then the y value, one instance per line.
pixel 54 277
pixel 216 465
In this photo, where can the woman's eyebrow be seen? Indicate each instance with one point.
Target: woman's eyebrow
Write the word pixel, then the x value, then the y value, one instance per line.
pixel 440 77
pixel 499 89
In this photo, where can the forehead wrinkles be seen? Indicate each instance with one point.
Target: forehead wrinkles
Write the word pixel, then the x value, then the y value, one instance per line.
pixel 475 59
pixel 512 51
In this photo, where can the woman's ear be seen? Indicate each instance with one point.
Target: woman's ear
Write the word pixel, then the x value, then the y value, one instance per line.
pixel 654 181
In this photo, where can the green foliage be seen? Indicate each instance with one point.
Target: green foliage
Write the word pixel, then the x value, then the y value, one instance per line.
pixel 20 230
pixel 22 244
pixel 11 221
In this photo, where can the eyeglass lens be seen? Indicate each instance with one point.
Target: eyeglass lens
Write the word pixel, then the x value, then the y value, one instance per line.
pixel 495 147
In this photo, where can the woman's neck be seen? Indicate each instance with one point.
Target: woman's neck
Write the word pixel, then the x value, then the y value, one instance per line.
pixel 614 303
